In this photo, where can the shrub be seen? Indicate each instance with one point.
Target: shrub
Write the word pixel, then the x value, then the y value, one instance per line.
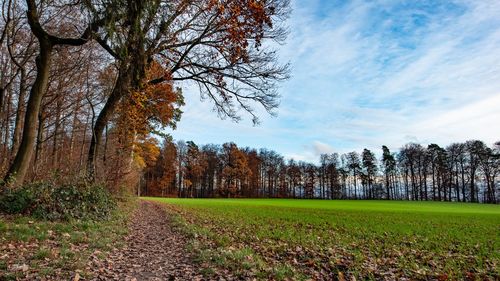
pixel 47 200
pixel 16 201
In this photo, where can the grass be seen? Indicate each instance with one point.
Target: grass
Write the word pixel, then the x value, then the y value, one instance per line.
pixel 337 239
pixel 56 250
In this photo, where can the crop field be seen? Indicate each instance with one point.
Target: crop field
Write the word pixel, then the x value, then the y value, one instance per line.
pixel 301 239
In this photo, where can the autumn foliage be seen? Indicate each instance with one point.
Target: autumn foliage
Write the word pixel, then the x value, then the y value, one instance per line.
pixel 103 79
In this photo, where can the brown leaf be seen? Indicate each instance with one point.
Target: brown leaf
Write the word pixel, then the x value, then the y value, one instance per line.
pixel 341 276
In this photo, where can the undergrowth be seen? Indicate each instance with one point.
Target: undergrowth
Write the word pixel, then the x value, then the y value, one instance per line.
pixel 47 200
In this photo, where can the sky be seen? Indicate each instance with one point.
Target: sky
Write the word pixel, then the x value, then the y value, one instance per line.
pixel 371 73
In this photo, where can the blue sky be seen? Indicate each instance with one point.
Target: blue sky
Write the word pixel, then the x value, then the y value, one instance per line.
pixel 373 73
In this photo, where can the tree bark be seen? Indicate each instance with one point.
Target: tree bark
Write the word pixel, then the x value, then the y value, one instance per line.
pixel 17 171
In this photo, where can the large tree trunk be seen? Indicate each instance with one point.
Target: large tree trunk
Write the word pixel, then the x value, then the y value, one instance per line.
pixel 121 86
pixel 19 167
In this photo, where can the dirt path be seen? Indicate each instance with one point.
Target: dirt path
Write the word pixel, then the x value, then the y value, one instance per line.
pixel 153 251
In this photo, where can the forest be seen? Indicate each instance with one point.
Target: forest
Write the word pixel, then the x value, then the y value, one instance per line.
pixel 461 172
pixel 85 86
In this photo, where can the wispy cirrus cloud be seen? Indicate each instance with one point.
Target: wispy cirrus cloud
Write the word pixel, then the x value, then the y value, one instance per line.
pixel 368 73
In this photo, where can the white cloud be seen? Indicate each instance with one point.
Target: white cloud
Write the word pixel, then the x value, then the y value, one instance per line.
pixel 322 148
pixel 480 118
pixel 355 82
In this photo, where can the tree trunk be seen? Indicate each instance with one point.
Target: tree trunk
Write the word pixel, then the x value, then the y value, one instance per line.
pixel 121 86
pixel 19 167
pixel 57 125
pixel 70 157
pixel 472 184
pixel 16 136
pixel 6 125
pixel 39 142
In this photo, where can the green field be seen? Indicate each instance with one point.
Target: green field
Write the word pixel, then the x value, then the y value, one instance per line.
pixel 300 239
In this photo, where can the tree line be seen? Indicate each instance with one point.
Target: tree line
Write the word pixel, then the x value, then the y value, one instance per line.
pixel 461 172
pixel 84 85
